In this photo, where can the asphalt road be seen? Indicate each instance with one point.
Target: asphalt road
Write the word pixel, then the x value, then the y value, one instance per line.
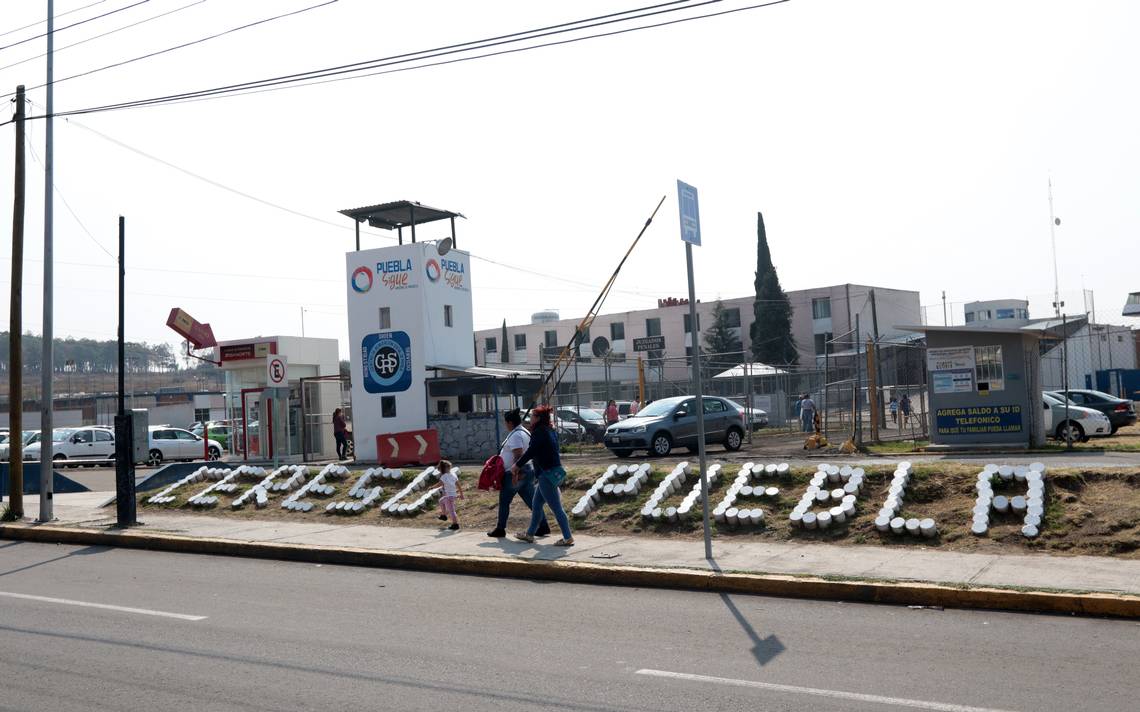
pixel 204 633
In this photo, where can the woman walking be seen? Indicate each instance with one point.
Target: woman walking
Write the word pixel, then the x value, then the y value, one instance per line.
pixel 543 451
pixel 340 432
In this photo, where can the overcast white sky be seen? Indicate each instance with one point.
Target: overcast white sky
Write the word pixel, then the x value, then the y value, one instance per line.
pixel 904 144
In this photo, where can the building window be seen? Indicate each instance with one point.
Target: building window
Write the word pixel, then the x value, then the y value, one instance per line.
pixel 653 327
pixel 466 404
pixel 821 308
pixel 617 331
pixel 969 317
pixel 443 407
pixel 821 342
pixel 201 415
pixel 447 319
pixel 387 406
pixel 689 324
pixel 491 344
pixel 731 318
pixel 385 318
pixel 550 338
pixel 585 337
pixel 988 368
pixel 520 342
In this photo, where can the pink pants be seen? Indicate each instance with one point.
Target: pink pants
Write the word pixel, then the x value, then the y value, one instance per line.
pixel 447 506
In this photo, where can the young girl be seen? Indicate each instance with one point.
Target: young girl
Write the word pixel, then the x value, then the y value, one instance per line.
pixel 451 490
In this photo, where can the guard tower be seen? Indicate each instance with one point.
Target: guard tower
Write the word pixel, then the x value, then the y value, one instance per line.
pixel 409 310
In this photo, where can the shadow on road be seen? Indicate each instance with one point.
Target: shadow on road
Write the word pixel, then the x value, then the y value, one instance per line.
pixel 85 551
pixel 763 649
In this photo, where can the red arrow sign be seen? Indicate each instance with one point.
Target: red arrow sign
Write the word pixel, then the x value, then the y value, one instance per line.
pixel 412 447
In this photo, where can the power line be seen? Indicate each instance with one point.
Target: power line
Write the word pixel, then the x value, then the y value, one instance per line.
pixel 191 43
pixel 60 14
pixel 74 24
pixel 105 34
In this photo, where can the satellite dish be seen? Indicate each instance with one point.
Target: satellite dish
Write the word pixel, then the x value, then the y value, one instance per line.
pixel 444 246
pixel 1056 221
pixel 600 346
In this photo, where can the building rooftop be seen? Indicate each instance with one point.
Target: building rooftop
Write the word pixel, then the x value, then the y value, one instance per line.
pixel 398 214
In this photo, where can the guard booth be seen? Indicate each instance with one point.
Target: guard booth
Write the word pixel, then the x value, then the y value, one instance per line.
pixel 267 394
pixel 984 385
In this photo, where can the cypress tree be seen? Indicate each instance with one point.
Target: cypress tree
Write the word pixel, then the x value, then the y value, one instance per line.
pixel 723 347
pixel 771 330
pixel 504 350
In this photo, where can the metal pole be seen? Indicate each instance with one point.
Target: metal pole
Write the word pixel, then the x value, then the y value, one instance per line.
pixel 15 327
pixel 302 322
pixel 699 402
pixel 1065 378
pixel 858 410
pixel 125 508
pixel 47 365
pixel 357 222
pixel 1053 239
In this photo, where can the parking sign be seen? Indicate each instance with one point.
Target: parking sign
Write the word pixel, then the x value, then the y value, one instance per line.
pixel 690 213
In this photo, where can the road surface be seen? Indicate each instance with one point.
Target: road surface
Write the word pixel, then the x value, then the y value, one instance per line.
pixel 105 629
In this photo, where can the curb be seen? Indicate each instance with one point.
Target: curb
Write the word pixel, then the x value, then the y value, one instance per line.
pixel 894 593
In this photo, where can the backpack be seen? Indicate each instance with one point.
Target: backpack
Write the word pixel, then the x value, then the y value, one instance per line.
pixel 491 478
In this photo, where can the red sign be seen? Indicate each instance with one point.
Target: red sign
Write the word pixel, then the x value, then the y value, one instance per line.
pixel 414 447
pixel 200 335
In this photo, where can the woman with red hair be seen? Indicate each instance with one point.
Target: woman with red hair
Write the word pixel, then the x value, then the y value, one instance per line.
pixel 543 451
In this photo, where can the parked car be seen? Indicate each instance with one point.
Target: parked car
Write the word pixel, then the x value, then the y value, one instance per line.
pixel 4 447
pixel 759 417
pixel 167 443
pixel 671 422
pixel 588 418
pixel 91 443
pixel 222 433
pixel 1084 423
pixel 1121 413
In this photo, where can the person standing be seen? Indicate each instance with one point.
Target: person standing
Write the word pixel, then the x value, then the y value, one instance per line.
pixel 894 408
pixel 543 450
pixel 807 413
pixel 340 432
pixel 612 414
pixel 904 407
pixel 634 407
pixel 518 440
pixel 452 490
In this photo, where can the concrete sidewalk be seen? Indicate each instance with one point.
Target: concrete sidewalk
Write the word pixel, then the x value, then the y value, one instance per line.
pixel 1039 572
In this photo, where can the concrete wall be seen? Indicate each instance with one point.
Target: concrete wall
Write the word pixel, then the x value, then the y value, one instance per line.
pixel 467 436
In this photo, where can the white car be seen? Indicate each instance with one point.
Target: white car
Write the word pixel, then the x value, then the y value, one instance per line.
pixel 91 443
pixel 1084 423
pixel 167 443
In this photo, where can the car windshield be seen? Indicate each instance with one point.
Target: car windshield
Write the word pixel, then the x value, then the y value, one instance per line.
pixel 1055 399
pixel 61 434
pixel 589 414
pixel 656 409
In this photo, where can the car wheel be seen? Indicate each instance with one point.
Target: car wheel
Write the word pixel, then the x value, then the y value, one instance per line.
pixel 623 453
pixel 733 439
pixel 662 444
pixel 154 458
pixel 1113 429
pixel 1070 430
pixel 58 458
pixel 215 454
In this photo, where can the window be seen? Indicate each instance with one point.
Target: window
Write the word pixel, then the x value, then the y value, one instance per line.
pixel 988 368
pixel 712 405
pixel 520 342
pixel 585 337
pixel 491 344
pixel 443 407
pixel 466 404
pixel 550 338
pixel 386 317
pixel 388 406
pixel 83 436
pixel 821 308
pixel 447 318
pixel 821 342
pixel 163 435
pixel 969 317
pixel 201 415
pixel 104 436
pixel 617 331
pixel 984 315
pixel 689 324
pixel 653 327
pixel 732 318
pixel 183 435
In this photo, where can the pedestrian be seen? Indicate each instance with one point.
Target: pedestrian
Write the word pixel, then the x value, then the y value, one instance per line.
pixel 798 408
pixel 634 407
pixel 451 490
pixel 893 406
pixel 340 432
pixel 904 407
pixel 518 440
pixel 807 413
pixel 543 450
pixel 612 415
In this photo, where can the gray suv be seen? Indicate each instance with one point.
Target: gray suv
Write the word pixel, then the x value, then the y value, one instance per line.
pixel 672 422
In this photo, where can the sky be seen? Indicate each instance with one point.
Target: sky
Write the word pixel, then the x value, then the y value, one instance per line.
pixel 900 144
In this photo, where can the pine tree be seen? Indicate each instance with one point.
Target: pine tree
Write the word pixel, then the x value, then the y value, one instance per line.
pixel 771 331
pixel 723 347
pixel 505 351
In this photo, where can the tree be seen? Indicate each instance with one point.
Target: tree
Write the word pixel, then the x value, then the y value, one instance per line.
pixel 722 345
pixel 771 331
pixel 505 351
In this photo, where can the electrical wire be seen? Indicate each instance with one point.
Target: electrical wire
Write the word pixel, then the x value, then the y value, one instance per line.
pixel 58 15
pixel 191 43
pixel 74 24
pixel 105 34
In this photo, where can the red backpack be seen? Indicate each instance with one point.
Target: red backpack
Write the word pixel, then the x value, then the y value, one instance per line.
pixel 491 478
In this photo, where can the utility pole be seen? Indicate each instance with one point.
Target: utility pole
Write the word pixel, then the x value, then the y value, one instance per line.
pixel 881 420
pixel 16 328
pixel 47 364
pixel 944 321
pixel 1053 223
pixel 124 423
pixel 302 322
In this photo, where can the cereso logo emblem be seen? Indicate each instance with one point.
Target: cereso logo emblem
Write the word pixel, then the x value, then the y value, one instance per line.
pixel 387 361
pixel 361 280
pixel 433 271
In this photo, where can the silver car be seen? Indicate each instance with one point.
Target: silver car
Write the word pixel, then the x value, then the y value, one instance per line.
pixel 672 422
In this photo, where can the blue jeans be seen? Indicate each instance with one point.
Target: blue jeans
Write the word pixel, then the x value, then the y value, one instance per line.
pixel 547 494
pixel 808 417
pixel 525 492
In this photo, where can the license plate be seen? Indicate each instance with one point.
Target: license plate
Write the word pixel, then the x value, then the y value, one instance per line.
pixel 617 438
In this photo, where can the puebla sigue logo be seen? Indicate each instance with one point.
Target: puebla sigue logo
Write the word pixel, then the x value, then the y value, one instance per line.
pixel 387 361
pixel 453 272
pixel 395 273
pixel 433 270
pixel 361 280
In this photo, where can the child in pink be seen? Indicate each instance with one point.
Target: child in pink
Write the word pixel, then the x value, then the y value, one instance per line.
pixel 451 491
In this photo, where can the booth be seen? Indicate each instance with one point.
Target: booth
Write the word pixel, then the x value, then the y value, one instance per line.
pixel 984 385
pixel 280 393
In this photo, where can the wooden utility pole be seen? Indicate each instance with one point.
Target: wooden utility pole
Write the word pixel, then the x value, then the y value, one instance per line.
pixel 16 329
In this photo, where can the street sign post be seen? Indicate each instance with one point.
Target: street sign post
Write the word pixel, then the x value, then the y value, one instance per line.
pixel 649 343
pixel 690 214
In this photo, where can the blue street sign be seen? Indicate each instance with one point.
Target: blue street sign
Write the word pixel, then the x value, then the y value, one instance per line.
pixel 690 214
